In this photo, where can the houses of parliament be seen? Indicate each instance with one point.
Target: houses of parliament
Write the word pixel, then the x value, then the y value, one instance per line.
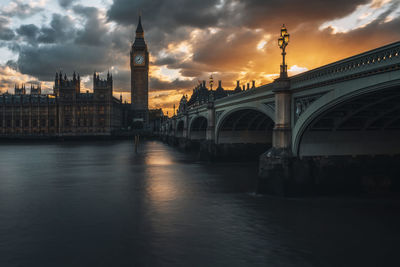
pixel 69 112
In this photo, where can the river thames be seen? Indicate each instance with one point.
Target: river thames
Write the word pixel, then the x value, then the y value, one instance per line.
pixel 101 204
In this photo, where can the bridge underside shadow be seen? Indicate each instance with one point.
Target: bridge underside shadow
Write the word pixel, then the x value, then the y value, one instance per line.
pixel 196 134
pixel 198 129
pixel 353 146
pixel 179 129
pixel 244 134
pixel 365 125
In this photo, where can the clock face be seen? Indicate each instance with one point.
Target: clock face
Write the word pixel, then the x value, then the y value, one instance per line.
pixel 139 59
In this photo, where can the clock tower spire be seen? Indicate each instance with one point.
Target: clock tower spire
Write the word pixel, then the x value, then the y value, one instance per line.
pixel 139 60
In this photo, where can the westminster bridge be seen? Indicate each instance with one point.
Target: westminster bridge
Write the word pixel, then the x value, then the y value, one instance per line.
pixel 337 122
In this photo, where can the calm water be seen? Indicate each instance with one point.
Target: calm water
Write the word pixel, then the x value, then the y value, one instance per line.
pixel 100 204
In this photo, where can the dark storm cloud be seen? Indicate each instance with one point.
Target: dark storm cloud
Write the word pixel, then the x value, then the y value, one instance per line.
pixel 61 29
pixel 234 47
pixel 12 64
pixel 170 15
pixel 6 34
pixel 65 3
pixel 41 62
pixel 165 61
pixel 267 14
pixel 66 46
pixel 157 84
pixel 94 30
pixel 166 21
pixel 121 80
pixel 29 32
pixel 89 43
pixel 241 46
pixel 191 73
pixel 166 14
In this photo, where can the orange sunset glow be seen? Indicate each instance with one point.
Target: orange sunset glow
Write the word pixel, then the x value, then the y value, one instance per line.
pixel 231 40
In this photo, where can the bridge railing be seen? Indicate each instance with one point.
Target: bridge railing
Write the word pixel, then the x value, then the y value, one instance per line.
pixel 365 63
pixel 248 93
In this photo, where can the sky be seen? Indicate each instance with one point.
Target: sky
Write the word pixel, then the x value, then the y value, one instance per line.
pixel 188 40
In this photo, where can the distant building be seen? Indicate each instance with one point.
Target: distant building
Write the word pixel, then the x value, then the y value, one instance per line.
pixel 156 117
pixel 66 112
pixel 201 95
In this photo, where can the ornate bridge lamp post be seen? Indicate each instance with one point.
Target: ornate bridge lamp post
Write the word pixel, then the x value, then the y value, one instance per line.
pixel 210 136
pixel 283 41
pixel 275 164
pixel 282 129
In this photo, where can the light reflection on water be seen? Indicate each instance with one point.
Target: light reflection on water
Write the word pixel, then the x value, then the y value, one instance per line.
pixel 100 204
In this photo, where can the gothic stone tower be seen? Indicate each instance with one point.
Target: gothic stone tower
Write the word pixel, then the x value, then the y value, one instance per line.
pixel 103 95
pixel 139 76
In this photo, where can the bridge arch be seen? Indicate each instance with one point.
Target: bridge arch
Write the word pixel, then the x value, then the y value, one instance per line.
pixel 198 128
pixel 179 128
pixel 267 110
pixel 365 121
pixel 245 125
pixel 170 128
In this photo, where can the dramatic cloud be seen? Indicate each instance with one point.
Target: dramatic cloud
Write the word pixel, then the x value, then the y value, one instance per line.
pixel 157 84
pixel 195 13
pixel 9 77
pixel 61 29
pixel 6 33
pixel 66 3
pixel 65 45
pixel 189 40
pixel 28 32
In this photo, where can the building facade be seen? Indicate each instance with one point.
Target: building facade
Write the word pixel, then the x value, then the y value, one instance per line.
pixel 66 112
pixel 69 112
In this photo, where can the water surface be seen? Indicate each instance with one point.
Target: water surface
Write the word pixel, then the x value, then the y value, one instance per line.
pixel 100 204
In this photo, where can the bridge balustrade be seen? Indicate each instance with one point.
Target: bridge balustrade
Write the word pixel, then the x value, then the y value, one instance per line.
pixel 354 67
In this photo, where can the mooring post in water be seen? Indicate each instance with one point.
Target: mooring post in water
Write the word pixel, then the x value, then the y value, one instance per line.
pixel 136 143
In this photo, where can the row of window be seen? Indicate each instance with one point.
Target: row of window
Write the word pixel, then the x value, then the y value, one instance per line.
pixel 84 109
pixel 84 123
pixel 25 123
pixel 27 110
pixel 43 123
pixel 67 108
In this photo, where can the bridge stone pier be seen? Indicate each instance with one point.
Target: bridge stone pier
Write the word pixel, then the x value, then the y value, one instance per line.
pixel 332 129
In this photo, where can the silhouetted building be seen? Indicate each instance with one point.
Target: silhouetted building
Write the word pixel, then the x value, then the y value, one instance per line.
pixel 156 117
pixel 201 95
pixel 66 112
pixel 20 90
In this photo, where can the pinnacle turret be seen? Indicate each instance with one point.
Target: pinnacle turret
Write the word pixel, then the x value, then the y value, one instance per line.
pixel 139 29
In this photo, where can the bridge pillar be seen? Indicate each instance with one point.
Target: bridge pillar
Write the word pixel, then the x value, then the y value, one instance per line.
pixel 210 122
pixel 275 175
pixel 282 133
pixel 174 126
pixel 184 142
pixel 208 148
pixel 172 138
pixel 185 125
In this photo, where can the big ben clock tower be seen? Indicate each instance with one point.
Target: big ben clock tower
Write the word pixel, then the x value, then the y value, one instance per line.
pixel 139 76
